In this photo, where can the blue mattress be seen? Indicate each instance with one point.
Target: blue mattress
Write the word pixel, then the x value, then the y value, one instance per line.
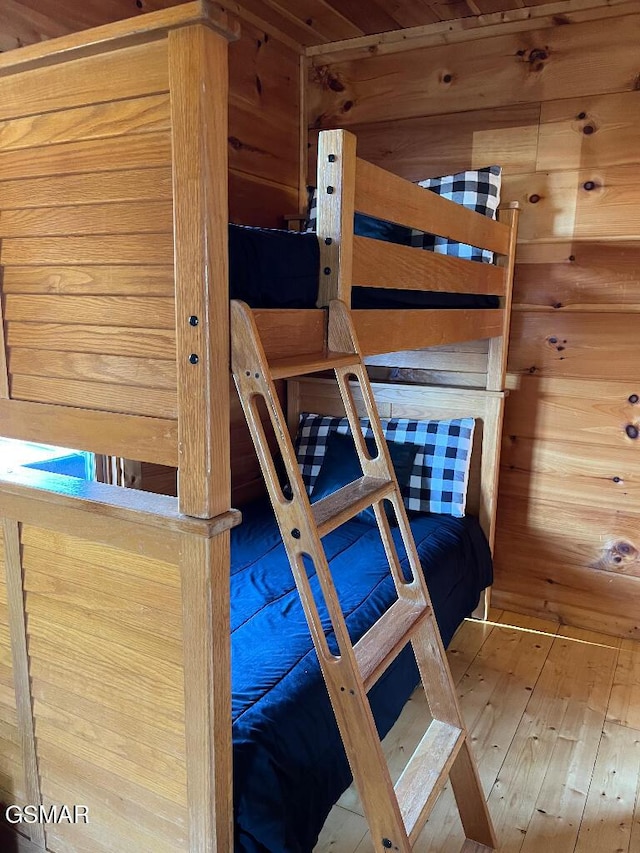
pixel 289 763
pixel 269 268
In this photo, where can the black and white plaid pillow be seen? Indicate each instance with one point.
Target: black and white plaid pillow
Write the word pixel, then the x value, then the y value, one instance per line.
pixel 438 480
pixel 477 189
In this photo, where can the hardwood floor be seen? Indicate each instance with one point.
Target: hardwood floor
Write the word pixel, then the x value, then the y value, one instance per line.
pixel 554 717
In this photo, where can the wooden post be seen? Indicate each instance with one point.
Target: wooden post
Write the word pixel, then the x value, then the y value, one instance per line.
pixel 198 80
pixel 498 347
pixel 335 211
pixel 204 569
pixel 21 680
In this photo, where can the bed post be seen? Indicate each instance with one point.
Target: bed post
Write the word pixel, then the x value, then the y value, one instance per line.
pixel 335 210
pixel 496 377
pixel 115 293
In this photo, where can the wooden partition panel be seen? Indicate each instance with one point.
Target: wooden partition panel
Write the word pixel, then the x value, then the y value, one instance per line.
pixel 123 604
pixel 113 224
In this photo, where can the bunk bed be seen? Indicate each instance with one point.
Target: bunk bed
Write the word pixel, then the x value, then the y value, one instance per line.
pixel 115 677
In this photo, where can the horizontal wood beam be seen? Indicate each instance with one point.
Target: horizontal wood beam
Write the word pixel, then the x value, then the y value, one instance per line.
pixel 381 331
pixel 114 502
pixel 131 436
pixel 110 37
pixel 388 265
pixel 468 29
pixel 386 196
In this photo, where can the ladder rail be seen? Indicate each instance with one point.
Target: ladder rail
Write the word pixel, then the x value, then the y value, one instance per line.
pixel 394 823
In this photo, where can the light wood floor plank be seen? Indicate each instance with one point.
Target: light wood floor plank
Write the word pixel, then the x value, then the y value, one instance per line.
pixel 537 748
pixel 608 816
pixel 624 704
pixel 570 697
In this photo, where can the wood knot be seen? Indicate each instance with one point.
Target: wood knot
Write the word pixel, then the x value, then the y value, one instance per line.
pixel 534 199
pixel 538 54
pixel 633 399
pixel 632 431
pixel 619 556
pixel 589 185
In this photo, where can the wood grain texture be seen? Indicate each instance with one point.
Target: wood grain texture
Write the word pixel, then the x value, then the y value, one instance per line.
pixel 425 146
pixel 147 439
pixel 199 89
pixel 336 182
pixel 147 218
pixel 63 638
pixel 596 412
pixel 96 396
pixel 422 328
pixel 94 280
pixel 550 66
pixel 94 155
pixel 580 346
pixel 130 72
pixel 589 132
pixel 62 191
pixel 384 195
pixel 20 658
pixel 578 277
pixel 98 121
pixel 108 38
pixel 207 667
pixel 571 472
pixel 380 264
pixel 591 204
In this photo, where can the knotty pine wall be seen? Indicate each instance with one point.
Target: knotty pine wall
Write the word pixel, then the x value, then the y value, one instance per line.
pixel 264 145
pixel 558 106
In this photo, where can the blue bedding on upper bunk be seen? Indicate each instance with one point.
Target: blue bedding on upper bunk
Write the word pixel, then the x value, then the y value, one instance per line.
pixel 280 269
pixel 289 763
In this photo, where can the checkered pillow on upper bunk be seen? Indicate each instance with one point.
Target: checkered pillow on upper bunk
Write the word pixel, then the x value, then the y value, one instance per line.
pixel 479 190
pixel 438 480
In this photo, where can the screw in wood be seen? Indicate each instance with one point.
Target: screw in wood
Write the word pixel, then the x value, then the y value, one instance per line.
pixel 332 158
pixel 193 358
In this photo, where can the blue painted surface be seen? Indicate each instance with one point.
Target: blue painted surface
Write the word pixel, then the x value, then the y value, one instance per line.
pixel 72 465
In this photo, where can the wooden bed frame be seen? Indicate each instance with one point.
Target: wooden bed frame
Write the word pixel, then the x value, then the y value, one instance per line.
pixel 114 603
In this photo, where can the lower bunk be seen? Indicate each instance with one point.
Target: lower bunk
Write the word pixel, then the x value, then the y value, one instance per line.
pixel 289 763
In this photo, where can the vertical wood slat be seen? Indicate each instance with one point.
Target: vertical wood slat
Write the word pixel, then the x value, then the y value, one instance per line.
pixel 20 657
pixel 204 568
pixel 4 366
pixel 498 347
pixel 335 211
pixel 198 79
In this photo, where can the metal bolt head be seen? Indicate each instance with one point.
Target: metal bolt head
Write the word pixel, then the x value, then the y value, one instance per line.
pixel 193 320
pixel 193 358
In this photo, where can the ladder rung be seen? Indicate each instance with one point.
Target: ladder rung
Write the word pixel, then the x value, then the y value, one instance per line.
pixel 426 773
pixel 386 638
pixel 335 509
pixel 311 362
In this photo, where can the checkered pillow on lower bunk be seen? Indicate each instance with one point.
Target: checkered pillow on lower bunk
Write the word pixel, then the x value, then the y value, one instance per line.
pixel 479 190
pixel 438 480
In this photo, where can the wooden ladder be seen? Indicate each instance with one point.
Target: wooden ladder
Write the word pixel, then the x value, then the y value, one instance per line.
pixel 397 814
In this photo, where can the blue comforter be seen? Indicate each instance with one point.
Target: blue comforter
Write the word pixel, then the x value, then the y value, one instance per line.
pixel 289 763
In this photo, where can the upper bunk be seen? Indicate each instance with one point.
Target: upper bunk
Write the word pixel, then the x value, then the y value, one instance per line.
pixel 113 249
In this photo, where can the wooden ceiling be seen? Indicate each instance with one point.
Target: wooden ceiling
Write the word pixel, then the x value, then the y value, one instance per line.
pixel 307 22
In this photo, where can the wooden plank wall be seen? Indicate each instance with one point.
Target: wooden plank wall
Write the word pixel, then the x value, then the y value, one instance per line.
pixel 558 106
